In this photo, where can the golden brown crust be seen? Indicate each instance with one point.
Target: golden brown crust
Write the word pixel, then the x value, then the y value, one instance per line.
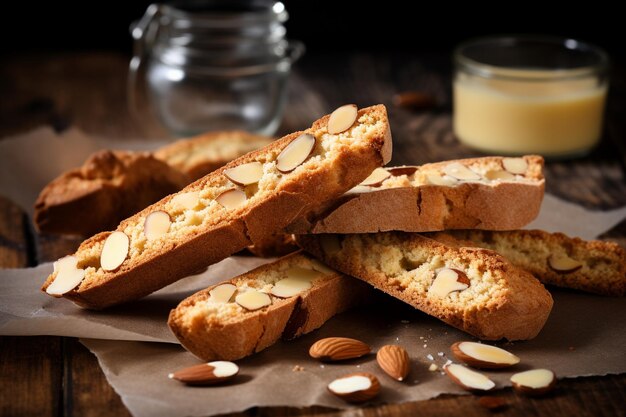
pixel 498 205
pixel 248 332
pixel 299 193
pixel 110 186
pixel 603 268
pixel 202 154
pixel 502 301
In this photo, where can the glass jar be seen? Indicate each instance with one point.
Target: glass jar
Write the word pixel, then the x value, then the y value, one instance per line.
pixel 223 66
pixel 525 94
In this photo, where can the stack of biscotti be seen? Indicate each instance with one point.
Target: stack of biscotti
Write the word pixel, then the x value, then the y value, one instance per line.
pixel 112 185
pixel 246 201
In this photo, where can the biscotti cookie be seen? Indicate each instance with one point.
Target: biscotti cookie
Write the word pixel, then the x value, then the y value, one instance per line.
pixel 491 193
pixel 202 154
pixel 282 300
pixel 555 259
pixel 475 290
pixel 246 201
pixel 110 186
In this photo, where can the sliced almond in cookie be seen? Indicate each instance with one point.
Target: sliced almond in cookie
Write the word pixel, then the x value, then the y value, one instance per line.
pixel 534 382
pixel 515 165
pixel 355 388
pixel 245 174
pixel 360 189
pixel 478 355
pixel 448 280
pixel 253 300
pixel 156 225
pixel 342 119
pixel 323 268
pixel 563 263
pixel 437 179
pixel 460 172
pixel 376 177
pixel 499 175
pixel 186 201
pixel 222 293
pixel 468 379
pixel 68 276
pixel 298 280
pixel 211 373
pixel 295 153
pixel 114 251
pixel 231 199
pixel 288 287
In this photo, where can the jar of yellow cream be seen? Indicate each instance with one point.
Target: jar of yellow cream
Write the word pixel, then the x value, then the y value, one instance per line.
pixel 519 95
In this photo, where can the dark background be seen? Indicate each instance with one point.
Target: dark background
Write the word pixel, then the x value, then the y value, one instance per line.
pixel 324 25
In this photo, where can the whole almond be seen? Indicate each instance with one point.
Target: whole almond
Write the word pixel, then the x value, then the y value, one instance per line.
pixel 394 360
pixel 211 373
pixel 338 348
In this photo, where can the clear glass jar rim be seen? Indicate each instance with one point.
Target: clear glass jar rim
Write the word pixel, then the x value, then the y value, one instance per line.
pixel 276 12
pixel 530 74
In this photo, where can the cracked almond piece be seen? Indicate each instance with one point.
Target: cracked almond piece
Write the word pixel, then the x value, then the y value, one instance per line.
pixel 211 373
pixel 355 388
pixel 535 382
pixel 483 294
pixel 202 232
pixel 212 326
pixel 342 119
pixel 67 276
pixel 468 379
pixel 479 355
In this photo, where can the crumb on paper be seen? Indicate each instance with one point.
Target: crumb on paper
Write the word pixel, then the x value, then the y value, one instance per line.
pixel 433 367
pixel 322 366
pixel 421 337
pixel 430 357
pixel 440 354
pixel 297 368
pixel 425 345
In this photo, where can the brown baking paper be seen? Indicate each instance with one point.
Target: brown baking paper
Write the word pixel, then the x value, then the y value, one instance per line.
pixel 585 334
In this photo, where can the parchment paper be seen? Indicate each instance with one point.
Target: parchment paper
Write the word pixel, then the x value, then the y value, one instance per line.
pixel 585 334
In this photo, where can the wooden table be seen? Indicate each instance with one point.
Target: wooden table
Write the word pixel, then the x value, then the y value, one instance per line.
pixel 57 376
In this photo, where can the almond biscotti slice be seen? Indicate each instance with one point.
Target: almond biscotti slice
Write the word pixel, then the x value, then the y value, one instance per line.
pixel 281 300
pixel 246 201
pixel 554 258
pixel 492 193
pixel 475 290
pixel 205 153
pixel 110 186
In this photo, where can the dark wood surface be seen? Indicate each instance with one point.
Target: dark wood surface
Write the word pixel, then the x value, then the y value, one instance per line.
pixel 57 376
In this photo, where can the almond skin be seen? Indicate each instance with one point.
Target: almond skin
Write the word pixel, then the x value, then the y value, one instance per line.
pixel 202 374
pixel 394 360
pixel 362 395
pixel 338 348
